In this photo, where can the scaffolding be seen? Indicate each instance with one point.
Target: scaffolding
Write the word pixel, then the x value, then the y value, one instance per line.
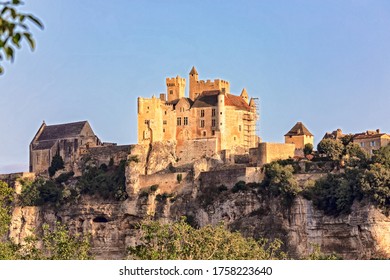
pixel 250 120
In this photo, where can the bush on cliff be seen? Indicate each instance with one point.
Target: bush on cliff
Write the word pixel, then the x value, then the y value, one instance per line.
pixel 180 241
pixel 39 191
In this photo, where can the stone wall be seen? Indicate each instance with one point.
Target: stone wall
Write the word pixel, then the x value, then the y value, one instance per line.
pixel 104 154
pixel 227 177
pixel 268 152
pixel 167 183
pixel 196 149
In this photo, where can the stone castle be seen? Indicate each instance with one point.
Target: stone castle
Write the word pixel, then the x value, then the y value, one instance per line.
pixel 210 117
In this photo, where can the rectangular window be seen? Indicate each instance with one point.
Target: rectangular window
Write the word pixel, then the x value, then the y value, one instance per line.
pixel 213 122
pixel 201 123
pixel 178 121
pixel 239 128
pixel 164 122
pixel 185 120
pixel 146 121
pixel 171 92
pixel 213 113
pixel 201 113
pixel 163 129
pixel 372 143
pixel 213 132
pixel 362 144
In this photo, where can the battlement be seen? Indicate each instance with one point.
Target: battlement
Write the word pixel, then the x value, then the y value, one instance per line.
pixel 175 81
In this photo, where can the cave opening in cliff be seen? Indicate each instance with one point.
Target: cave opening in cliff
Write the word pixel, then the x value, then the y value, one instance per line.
pixel 100 219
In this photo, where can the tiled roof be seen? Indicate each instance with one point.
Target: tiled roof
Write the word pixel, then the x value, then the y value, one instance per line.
pixel 206 100
pixel 237 101
pixel 369 136
pixel 52 132
pixel 298 129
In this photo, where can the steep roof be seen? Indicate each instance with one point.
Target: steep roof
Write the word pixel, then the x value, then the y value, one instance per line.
pixel 207 99
pixel 193 71
pixel 58 131
pixel 298 129
pixel 210 99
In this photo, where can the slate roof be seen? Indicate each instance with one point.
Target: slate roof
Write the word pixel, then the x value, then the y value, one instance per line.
pixel 298 129
pixel 210 99
pixel 59 131
pixel 44 145
pixel 193 71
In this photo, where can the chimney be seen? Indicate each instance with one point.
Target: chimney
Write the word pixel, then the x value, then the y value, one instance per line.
pixel 378 131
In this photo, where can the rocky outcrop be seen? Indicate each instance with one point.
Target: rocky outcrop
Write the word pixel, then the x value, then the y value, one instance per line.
pixel 363 234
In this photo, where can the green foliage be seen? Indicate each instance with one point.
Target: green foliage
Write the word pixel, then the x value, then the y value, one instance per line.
pixel 153 188
pixel 239 186
pixel 14 28
pixel 279 180
pixel 382 156
pixel 333 194
pixel 57 163
pixel 6 197
pixel 107 184
pixel 331 148
pixel 316 254
pixel 180 241
pixel 39 191
pixel 308 149
pixel 64 177
pixel 222 188
pixel 133 158
pixel 59 244
pixel 375 183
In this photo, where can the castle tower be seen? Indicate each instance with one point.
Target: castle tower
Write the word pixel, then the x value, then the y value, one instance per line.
pixel 193 84
pixel 175 88
pixel 221 117
pixel 244 95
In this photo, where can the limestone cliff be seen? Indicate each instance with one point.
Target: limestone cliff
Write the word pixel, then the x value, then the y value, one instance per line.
pixel 363 234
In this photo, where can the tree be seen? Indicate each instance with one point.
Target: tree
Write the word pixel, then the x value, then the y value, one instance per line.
pixel 308 149
pixel 57 163
pixel 14 27
pixel 180 241
pixel 279 179
pixel 382 156
pixel 331 148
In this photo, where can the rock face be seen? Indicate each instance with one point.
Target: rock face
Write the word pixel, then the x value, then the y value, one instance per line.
pixel 363 234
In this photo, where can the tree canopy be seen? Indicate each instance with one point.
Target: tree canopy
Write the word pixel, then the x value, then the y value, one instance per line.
pixel 14 28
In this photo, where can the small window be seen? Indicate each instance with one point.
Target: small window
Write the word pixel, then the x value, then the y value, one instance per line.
pixel 372 143
pixel 201 123
pixel 220 113
pixel 213 132
pixel 213 122
pixel 148 107
pixel 164 122
pixel 165 112
pixel 204 133
pixel 235 138
pixel 170 92
pixel 146 121
pixel 239 128
pixel 185 120
pixel 179 121
pixel 164 130
pixel 213 113
pixel 362 144
pixel 201 113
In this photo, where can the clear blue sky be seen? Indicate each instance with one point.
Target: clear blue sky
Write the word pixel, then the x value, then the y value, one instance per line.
pixel 325 63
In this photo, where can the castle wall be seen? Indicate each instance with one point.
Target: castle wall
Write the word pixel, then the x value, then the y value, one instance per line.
pixel 198 86
pixel 227 177
pixel 299 141
pixel 150 116
pixel 192 150
pixel 104 154
pixel 268 152
pixel 167 183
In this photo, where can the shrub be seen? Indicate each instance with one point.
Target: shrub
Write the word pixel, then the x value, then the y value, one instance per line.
pixel 153 188
pixel 239 186
pixel 64 177
pixel 57 163
pixel 331 148
pixel 222 188
pixel 308 149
